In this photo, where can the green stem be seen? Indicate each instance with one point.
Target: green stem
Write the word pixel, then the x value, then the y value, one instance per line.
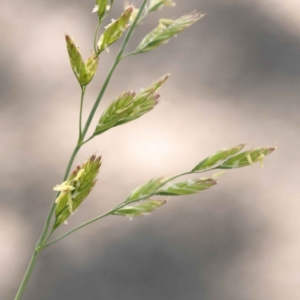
pixel 45 240
pixel 115 64
pixel 27 275
pixel 75 151
pixel 79 227
pixel 149 10
pixel 90 138
pixel 83 88
pixel 129 54
pixel 95 37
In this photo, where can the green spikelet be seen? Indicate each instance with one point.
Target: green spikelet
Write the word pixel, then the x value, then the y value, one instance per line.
pixel 217 158
pixel 144 101
pixel 115 112
pixel 114 30
pixel 75 189
pixel 130 106
pixel 101 8
pixel 247 158
pixel 166 30
pixel 146 189
pixel 84 71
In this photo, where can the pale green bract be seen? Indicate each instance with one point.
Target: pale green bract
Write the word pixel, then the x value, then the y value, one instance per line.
pixel 166 29
pixel 101 8
pixel 191 186
pixel 247 158
pixel 118 110
pixel 147 189
pixel 114 30
pixel 141 209
pixel 217 158
pixel 130 106
pixel 84 71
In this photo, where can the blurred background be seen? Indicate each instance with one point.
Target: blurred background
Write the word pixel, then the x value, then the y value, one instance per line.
pixel 235 79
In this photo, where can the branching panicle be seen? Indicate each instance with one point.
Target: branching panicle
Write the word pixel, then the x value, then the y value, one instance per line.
pixel 130 105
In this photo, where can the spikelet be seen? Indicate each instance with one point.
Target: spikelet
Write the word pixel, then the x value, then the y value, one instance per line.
pixel 75 189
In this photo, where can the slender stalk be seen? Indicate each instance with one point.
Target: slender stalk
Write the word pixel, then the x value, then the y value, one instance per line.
pixel 142 18
pixel 45 240
pixel 90 138
pixel 96 36
pixel 81 226
pixel 129 54
pixel 27 275
pixel 115 64
pixel 147 11
pixel 83 88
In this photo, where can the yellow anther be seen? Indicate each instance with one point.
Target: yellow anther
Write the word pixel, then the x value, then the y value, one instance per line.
pixel 79 174
pixel 217 175
pixel 261 160
pixel 63 187
pixel 249 159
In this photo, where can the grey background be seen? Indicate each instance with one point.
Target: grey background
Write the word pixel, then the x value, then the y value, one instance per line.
pixel 235 79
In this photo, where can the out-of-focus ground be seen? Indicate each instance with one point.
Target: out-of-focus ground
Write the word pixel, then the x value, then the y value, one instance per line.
pixel 235 79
